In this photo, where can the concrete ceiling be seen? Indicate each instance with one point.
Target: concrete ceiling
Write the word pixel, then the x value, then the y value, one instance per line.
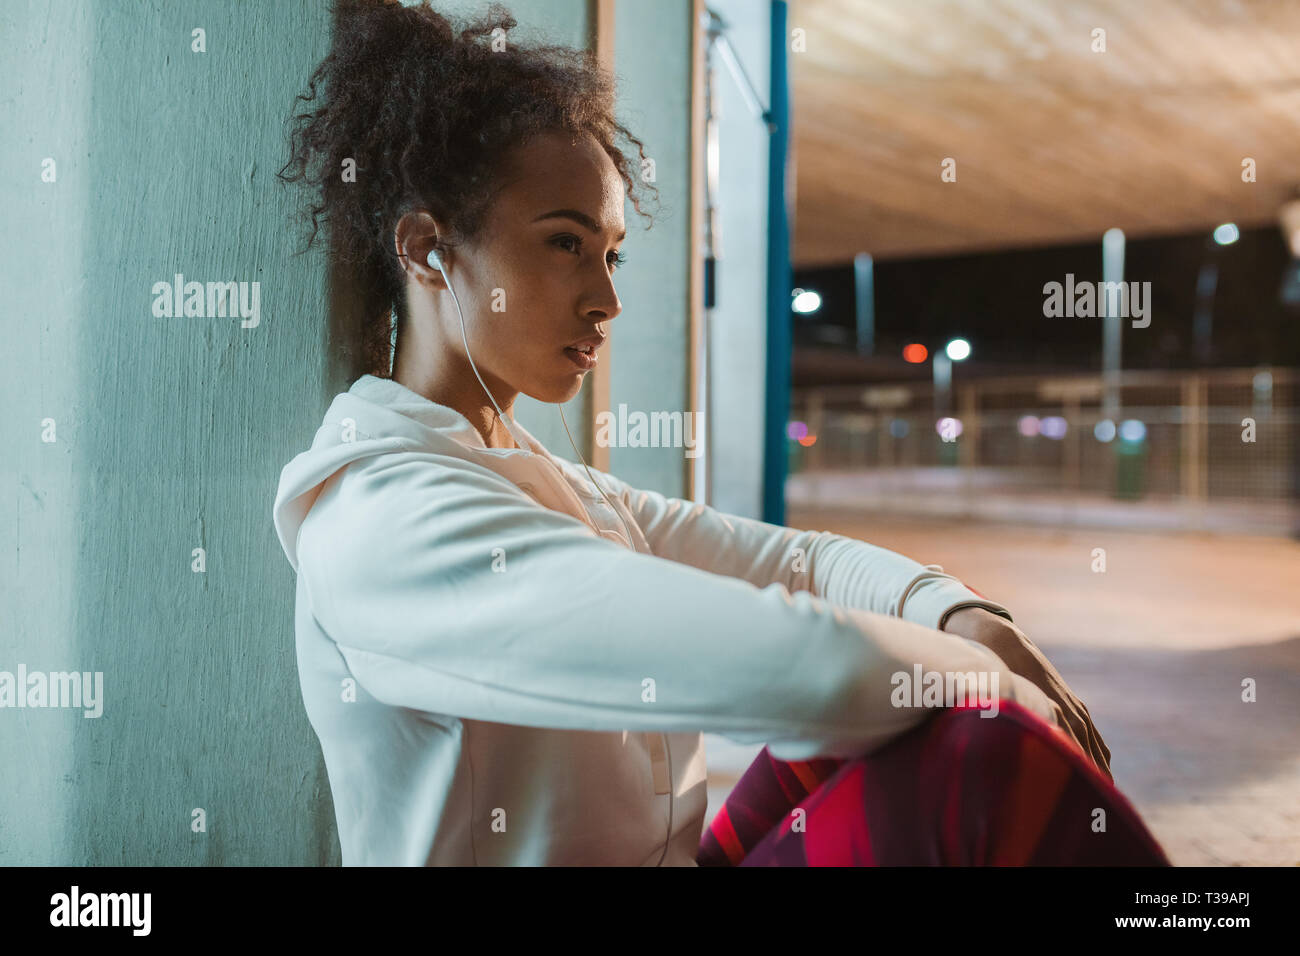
pixel 1053 142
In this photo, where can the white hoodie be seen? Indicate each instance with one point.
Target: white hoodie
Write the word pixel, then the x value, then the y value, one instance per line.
pixel 497 678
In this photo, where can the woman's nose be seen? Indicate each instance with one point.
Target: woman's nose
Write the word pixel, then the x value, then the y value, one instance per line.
pixel 604 303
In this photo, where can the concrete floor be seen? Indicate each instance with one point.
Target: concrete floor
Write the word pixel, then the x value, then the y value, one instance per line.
pixel 1157 647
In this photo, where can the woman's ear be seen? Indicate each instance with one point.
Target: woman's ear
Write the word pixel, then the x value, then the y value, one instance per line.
pixel 415 239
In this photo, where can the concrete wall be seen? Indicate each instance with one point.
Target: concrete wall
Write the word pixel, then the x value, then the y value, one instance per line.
pixel 168 434
pixel 739 323
pixel 651 339
pixel 45 246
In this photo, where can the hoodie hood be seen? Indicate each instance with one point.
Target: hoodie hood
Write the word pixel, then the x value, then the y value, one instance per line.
pixel 378 416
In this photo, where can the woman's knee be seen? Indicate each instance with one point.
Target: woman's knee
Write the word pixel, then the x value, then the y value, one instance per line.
pixel 1004 723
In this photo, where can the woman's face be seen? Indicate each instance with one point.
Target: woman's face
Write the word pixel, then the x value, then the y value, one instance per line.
pixel 539 279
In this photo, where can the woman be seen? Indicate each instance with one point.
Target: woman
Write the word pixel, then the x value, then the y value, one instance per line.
pixel 511 660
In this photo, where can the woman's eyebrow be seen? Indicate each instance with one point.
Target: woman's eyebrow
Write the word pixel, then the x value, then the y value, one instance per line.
pixel 579 217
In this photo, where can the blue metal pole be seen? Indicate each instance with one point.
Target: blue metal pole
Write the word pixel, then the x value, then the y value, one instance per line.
pixel 777 399
pixel 864 297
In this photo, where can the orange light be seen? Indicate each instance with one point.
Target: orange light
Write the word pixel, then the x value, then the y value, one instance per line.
pixel 808 441
pixel 916 353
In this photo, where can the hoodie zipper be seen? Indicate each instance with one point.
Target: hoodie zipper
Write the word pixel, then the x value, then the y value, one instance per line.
pixel 656 743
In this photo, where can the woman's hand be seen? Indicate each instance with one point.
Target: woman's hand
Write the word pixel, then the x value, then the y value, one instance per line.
pixel 1023 657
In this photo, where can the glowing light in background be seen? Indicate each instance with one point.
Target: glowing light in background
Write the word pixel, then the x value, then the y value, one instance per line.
pixel 1132 430
pixel 916 353
pixel 1226 234
pixel 898 428
pixel 948 428
pixel 797 431
pixel 1105 430
pixel 806 301
pixel 1028 425
pixel 1054 427
pixel 808 441
pixel 958 349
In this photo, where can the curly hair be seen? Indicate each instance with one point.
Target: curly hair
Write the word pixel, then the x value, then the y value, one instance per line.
pixel 421 116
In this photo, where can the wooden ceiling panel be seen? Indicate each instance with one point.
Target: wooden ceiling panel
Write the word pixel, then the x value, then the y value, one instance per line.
pixel 1053 142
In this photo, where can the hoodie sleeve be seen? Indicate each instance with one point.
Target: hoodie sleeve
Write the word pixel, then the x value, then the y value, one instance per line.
pixel 838 569
pixel 449 591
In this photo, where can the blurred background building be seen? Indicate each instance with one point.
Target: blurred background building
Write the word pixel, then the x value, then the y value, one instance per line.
pixel 955 158
pixel 1125 483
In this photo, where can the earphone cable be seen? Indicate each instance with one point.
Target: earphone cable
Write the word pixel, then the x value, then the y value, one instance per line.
pixel 465 339
pixel 667 744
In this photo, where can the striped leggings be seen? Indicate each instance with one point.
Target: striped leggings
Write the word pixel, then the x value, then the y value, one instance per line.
pixel 958 790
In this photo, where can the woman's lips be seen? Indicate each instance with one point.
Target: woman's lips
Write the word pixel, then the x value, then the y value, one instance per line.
pixel 584 360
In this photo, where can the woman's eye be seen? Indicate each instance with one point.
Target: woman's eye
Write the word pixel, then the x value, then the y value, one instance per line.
pixel 571 243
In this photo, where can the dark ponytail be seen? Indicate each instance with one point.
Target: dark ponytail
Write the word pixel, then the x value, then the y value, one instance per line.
pixel 428 116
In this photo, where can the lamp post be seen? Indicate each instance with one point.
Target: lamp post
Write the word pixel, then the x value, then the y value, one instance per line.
pixel 864 298
pixel 1207 283
pixel 957 350
pixel 1112 270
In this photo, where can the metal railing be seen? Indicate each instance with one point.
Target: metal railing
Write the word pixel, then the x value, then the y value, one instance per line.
pixel 1212 439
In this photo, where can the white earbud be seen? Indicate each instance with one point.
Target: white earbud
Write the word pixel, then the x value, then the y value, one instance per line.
pixel 436 262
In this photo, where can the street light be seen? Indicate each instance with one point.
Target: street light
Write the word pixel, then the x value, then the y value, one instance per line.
pixel 1227 234
pixel 1112 271
pixel 806 301
pixel 1207 282
pixel 957 350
